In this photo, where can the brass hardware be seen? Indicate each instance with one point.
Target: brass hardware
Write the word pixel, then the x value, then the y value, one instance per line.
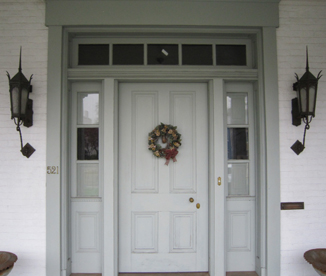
pixel 198 205
pixel 191 200
pixel 219 181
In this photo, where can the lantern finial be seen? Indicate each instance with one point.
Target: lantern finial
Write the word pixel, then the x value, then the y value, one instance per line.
pixel 20 60
pixel 307 59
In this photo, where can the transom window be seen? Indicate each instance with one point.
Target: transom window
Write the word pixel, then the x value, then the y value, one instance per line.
pixel 235 52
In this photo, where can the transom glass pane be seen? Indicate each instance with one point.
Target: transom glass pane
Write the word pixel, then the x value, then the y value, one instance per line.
pixel 93 54
pixel 238 146
pixel 165 54
pixel 197 55
pixel 87 180
pixel 87 144
pixel 128 54
pixel 238 179
pixel 231 55
pixel 237 108
pixel 88 108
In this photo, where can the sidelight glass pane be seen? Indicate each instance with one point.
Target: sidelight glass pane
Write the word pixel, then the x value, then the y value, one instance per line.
pixel 128 54
pixel 237 109
pixel 87 144
pixel 238 179
pixel 238 146
pixel 231 55
pixel 93 54
pixel 197 55
pixel 164 54
pixel 88 108
pixel 87 180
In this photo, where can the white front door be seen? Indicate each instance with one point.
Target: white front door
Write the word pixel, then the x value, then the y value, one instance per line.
pixel 160 230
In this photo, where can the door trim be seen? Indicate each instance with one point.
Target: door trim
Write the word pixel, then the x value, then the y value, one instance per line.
pixel 57 255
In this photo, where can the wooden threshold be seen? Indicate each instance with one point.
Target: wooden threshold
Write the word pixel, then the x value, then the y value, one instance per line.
pixel 242 273
pixel 166 274
pixel 86 274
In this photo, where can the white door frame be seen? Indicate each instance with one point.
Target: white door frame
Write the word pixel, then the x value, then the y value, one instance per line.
pixel 268 152
pixel 216 169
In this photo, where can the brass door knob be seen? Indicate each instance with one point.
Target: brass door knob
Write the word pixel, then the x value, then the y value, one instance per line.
pixel 191 200
pixel 198 205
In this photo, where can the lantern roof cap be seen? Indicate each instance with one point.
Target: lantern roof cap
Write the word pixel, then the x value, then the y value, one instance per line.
pixel 19 77
pixel 308 76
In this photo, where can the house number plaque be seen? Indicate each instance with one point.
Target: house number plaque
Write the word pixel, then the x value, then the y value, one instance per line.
pixel 52 170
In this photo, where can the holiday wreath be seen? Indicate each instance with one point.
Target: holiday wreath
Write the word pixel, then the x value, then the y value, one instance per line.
pixel 170 136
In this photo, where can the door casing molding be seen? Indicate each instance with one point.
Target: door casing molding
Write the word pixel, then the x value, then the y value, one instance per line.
pixel 268 156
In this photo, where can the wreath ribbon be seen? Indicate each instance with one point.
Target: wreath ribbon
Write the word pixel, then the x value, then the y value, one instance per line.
pixel 170 153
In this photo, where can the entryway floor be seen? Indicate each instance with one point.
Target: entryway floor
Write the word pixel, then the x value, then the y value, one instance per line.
pixel 246 273
pixel 166 274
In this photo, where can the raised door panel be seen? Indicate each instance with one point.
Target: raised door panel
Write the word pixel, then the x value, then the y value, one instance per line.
pixel 144 106
pixel 241 235
pixel 144 232
pixel 183 114
pixel 85 237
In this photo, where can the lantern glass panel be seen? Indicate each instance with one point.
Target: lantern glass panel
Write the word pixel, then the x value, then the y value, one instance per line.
pixel 15 101
pixel 24 101
pixel 312 99
pixel 307 95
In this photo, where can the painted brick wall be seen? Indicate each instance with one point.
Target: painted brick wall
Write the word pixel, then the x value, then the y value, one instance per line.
pixel 303 177
pixel 22 180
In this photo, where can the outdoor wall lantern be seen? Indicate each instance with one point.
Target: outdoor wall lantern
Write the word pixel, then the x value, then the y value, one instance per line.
pixel 21 105
pixel 304 106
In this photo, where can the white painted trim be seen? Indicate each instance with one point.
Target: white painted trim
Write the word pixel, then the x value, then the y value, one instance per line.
pixel 110 182
pixel 272 169
pixel 53 157
pixel 160 13
pixel 65 174
pixel 201 72
pixel 217 156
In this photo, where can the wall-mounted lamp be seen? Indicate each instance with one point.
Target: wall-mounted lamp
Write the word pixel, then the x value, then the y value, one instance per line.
pixel 304 106
pixel 21 105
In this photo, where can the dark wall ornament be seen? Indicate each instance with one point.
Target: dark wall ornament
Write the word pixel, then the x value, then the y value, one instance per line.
pixel 21 105
pixel 170 137
pixel 304 106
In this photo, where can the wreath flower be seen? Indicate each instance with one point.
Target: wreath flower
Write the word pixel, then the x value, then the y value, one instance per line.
pixel 170 136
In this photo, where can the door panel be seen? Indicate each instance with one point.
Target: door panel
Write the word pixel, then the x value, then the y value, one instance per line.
pixel 160 230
